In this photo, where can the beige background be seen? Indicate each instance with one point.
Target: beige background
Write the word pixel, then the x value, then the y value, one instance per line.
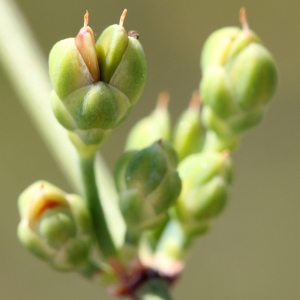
pixel 253 251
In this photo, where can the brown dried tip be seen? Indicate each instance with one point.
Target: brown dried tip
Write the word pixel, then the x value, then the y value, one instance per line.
pixel 134 34
pixel 123 16
pixel 163 100
pixel 86 19
pixel 195 102
pixel 243 19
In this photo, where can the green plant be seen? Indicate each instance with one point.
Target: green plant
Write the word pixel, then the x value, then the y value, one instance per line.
pixel 165 230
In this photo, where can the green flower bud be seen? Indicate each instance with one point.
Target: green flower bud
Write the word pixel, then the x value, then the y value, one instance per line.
pixel 148 184
pixel 111 46
pixel 189 134
pixel 205 180
pixel 90 107
pixel 152 128
pixel 214 123
pixel 122 60
pixel 254 77
pixel 99 105
pixel 224 44
pixel 239 79
pixel 55 226
pixel 217 46
pixel 216 91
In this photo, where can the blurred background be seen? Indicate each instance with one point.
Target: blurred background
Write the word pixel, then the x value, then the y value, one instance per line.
pixel 253 251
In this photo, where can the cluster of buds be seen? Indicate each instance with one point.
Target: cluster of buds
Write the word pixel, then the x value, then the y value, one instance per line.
pixel 239 79
pixel 148 184
pixel 96 83
pixel 171 183
pixel 206 178
pixel 55 226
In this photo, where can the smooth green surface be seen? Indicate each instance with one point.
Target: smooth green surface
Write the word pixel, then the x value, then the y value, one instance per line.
pixel 253 249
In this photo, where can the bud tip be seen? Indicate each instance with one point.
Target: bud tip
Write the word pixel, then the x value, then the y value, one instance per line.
pixel 123 16
pixel 163 100
pixel 86 19
pixel 243 19
pixel 195 101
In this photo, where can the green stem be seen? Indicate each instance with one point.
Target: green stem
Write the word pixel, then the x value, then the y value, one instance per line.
pixel 102 232
pixel 154 289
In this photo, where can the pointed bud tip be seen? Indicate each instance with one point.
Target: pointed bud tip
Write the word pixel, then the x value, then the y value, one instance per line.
pixel 123 16
pixel 85 43
pixel 163 100
pixel 195 102
pixel 243 19
pixel 86 19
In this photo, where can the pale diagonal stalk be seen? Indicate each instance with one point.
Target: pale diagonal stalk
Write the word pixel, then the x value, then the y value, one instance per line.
pixel 154 289
pixel 26 68
pixel 103 236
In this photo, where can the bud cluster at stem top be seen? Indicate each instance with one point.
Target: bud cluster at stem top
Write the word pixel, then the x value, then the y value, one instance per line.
pixel 96 83
pixel 239 79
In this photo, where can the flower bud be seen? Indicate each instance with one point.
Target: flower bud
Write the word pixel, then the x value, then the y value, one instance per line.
pixel 55 226
pixel 90 107
pixel 239 79
pixel 73 62
pixel 216 91
pixel 152 128
pixel 253 76
pixel 224 44
pixel 148 184
pixel 99 105
pixel 85 43
pixel 205 180
pixel 189 134
pixel 122 60
pixel 111 46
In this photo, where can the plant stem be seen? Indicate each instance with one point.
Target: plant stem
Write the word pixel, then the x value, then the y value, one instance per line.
pixel 103 235
pixel 154 289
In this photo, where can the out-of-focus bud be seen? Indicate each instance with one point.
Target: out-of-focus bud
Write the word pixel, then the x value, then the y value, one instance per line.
pixel 122 60
pixel 253 76
pixel 152 128
pixel 189 134
pixel 224 44
pixel 216 47
pixel 205 180
pixel 216 91
pixel 239 78
pixel 220 135
pixel 148 184
pixel 55 226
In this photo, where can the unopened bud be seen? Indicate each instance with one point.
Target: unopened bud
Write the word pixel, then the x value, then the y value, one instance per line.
pixel 152 128
pixel 55 226
pixel 148 183
pixel 85 43
pixel 122 60
pixel 189 133
pixel 205 180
